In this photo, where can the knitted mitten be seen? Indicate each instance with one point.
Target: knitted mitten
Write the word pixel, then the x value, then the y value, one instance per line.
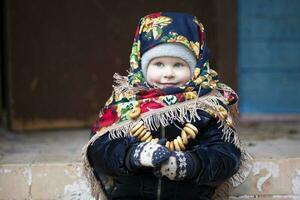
pixel 180 165
pixel 148 154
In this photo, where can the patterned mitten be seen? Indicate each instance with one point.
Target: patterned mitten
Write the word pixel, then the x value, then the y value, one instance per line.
pixel 148 154
pixel 180 165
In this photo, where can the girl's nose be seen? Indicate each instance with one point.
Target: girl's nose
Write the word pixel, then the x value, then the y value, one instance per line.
pixel 168 73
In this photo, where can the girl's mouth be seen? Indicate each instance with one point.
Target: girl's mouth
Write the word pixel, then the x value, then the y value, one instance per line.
pixel 168 84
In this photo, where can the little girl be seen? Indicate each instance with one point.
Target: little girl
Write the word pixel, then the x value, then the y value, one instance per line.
pixel 167 131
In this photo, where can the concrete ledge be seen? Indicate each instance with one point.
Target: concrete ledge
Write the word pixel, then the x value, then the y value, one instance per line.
pixel 43 181
pixel 46 165
pixel 269 179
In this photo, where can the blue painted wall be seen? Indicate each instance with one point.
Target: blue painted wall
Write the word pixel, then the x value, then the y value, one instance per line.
pixel 269 56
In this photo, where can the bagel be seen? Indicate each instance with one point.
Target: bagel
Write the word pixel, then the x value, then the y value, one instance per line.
pixel 155 140
pixel 139 131
pixel 149 139
pixel 191 126
pixel 180 142
pixel 146 136
pixel 184 137
pixel 176 145
pixel 136 127
pixel 142 134
pixel 190 132
pixel 171 146
pixel 134 113
pixel 168 144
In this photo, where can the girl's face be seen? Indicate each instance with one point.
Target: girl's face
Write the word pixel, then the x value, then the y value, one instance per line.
pixel 168 71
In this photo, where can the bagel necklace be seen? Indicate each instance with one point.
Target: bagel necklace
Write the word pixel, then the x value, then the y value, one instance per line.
pixel 179 144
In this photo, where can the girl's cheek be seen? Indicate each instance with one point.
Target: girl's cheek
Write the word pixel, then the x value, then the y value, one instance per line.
pixel 153 76
pixel 153 79
pixel 184 75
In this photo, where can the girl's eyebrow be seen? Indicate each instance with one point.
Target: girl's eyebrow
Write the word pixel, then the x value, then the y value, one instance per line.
pixel 156 60
pixel 179 62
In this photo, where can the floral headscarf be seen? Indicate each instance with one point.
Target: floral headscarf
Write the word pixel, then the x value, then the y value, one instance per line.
pixel 160 28
pixel 133 92
pixel 160 107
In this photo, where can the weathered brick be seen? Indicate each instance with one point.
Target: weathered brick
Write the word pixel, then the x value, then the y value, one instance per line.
pixel 58 181
pixel 272 177
pixel 15 181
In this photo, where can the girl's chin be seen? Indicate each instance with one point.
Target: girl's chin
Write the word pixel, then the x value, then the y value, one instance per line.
pixel 164 86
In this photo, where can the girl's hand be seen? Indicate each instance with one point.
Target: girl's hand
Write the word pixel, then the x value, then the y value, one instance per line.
pixel 179 166
pixel 148 154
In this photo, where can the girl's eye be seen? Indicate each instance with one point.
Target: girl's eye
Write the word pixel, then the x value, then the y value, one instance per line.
pixel 178 65
pixel 159 64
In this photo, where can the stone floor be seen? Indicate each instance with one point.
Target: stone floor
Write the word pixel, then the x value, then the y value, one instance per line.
pixel 268 140
pixel 42 146
pixel 45 165
pixel 272 140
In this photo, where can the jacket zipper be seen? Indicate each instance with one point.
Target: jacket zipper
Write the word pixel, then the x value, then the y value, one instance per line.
pixel 159 179
pixel 158 188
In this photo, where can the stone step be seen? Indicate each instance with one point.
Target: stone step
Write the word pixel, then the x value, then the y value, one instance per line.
pixel 46 165
pixel 269 179
pixel 43 181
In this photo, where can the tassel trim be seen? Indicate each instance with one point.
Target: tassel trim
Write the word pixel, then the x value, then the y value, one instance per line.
pixel 122 85
pixel 167 115
pixel 164 117
pixel 96 187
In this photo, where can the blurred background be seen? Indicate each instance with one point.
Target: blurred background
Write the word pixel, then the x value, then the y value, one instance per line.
pixel 58 57
pixel 57 61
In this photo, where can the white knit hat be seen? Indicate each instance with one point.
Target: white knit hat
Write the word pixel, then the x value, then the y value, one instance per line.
pixel 168 49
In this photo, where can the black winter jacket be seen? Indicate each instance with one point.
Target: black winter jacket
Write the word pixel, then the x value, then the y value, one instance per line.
pixel 218 160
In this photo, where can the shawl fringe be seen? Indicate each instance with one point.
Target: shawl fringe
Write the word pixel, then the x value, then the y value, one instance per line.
pixel 166 116
pixel 163 117
pixel 122 85
pixel 95 186
pixel 223 191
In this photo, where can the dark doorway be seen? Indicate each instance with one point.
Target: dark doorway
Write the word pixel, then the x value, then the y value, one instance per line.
pixel 61 55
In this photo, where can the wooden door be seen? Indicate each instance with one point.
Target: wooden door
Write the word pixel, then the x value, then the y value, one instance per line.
pixel 269 50
pixel 61 55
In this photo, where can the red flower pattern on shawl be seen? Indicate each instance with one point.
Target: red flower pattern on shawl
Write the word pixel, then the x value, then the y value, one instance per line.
pixel 146 94
pixel 151 105
pixel 108 117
